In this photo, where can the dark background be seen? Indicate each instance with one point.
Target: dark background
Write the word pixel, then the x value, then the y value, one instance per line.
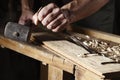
pixel 14 66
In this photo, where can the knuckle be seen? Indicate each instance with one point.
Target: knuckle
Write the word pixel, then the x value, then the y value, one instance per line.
pixel 51 5
pixel 65 21
pixel 49 27
pixel 57 9
pixel 44 23
pixel 61 16
pixel 55 30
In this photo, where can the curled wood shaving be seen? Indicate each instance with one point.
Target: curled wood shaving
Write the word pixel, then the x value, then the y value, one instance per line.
pixel 102 47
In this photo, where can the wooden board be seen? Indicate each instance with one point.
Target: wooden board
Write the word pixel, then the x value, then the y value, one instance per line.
pixel 83 74
pixel 64 55
pixel 72 52
pixel 37 52
pixel 97 34
pixel 54 73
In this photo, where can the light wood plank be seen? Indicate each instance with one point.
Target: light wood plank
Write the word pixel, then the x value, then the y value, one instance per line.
pixel 84 74
pixel 92 63
pixel 97 34
pixel 38 53
pixel 54 73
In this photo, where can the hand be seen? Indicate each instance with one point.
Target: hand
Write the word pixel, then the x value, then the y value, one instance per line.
pixel 25 17
pixel 51 17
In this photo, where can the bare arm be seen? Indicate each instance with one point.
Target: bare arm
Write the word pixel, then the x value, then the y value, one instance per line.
pixel 56 18
pixel 27 4
pixel 27 12
pixel 79 9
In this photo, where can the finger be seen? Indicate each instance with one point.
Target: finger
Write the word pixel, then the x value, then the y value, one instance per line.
pixel 61 26
pixel 21 21
pixel 51 16
pixel 45 10
pixel 55 22
pixel 35 18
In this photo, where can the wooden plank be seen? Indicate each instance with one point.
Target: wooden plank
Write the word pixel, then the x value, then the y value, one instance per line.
pixel 97 34
pixel 54 73
pixel 47 56
pixel 67 63
pixel 82 74
pixel 92 63
pixel 37 52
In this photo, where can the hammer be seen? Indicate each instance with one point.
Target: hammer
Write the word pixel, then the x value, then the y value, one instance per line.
pixel 20 32
pixel 17 31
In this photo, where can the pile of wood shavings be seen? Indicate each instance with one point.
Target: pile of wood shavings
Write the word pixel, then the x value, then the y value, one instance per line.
pixel 102 47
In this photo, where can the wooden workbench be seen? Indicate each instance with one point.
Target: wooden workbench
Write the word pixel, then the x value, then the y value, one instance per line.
pixel 61 55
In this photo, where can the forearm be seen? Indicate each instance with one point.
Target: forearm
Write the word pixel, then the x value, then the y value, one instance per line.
pixel 26 11
pixel 79 9
pixel 27 4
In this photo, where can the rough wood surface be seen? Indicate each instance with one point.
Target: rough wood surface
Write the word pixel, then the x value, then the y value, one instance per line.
pixel 65 55
pixel 97 34
pixel 37 52
pixel 54 73
pixel 74 52
pixel 83 74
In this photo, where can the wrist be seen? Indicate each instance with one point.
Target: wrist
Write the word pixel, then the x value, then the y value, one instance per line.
pixel 24 8
pixel 27 10
pixel 67 14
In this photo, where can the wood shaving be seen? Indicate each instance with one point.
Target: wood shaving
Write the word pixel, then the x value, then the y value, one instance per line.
pixel 102 47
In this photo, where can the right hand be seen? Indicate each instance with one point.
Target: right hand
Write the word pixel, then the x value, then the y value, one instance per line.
pixel 52 17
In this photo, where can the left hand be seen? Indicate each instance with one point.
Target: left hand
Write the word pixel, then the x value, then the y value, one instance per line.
pixel 25 17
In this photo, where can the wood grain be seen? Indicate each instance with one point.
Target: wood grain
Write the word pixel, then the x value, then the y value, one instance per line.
pixel 54 73
pixel 97 34
pixel 93 63
pixel 37 52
